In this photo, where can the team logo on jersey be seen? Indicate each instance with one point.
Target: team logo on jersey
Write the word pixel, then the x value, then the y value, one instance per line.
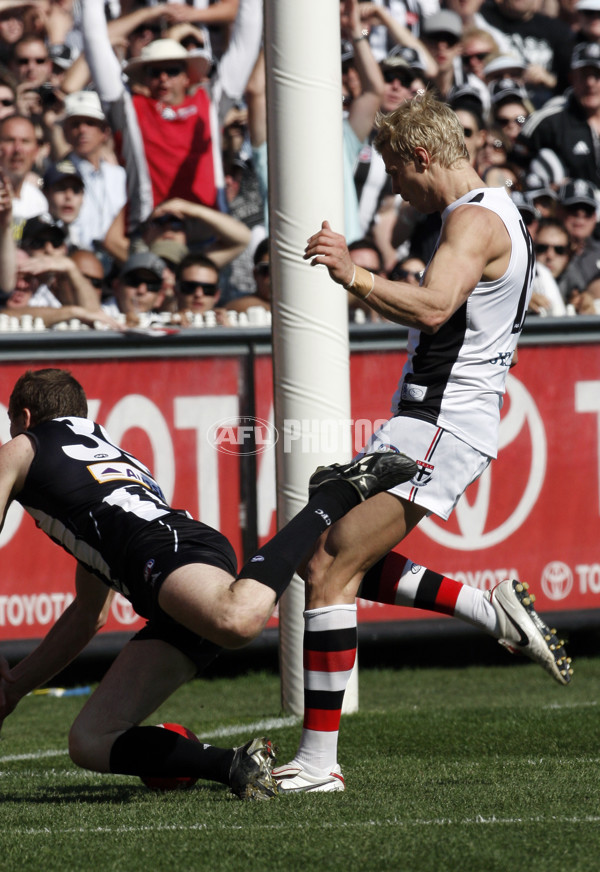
pixel 148 568
pixel 424 474
pixel 412 392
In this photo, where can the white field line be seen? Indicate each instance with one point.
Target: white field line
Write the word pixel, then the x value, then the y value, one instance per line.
pixel 478 820
pixel 568 705
pixel 218 733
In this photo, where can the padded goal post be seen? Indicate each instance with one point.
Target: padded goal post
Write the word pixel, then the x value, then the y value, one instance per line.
pixel 310 315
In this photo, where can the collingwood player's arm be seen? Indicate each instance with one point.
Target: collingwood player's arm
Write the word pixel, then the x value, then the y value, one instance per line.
pixel 64 641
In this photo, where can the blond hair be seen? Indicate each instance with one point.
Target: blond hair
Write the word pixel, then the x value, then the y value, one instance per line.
pixel 424 122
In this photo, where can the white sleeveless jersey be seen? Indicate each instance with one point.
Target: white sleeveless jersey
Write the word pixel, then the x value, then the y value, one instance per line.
pixel 456 377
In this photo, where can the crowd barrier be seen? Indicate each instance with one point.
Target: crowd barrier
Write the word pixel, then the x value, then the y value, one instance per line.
pixel 197 407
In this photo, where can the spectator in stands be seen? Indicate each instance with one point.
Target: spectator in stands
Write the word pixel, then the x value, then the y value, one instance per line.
pixel 494 150
pixel 64 190
pixel 543 197
pixel 511 107
pixel 408 269
pixel 559 142
pixel 262 281
pixel 441 34
pixel 11 27
pixel 541 41
pixel 587 21
pixel 30 62
pixel 197 287
pixel 578 211
pixel 87 135
pixel 374 15
pixel 374 190
pixel 553 246
pixel 469 112
pixel 362 107
pixel 477 46
pixel 170 138
pixel 139 288
pixel 29 297
pixel 217 234
pixel 45 240
pixel 18 151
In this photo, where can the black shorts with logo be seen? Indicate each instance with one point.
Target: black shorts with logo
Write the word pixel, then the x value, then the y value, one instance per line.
pixel 163 547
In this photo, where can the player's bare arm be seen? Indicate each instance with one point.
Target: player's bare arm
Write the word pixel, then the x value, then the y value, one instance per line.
pixel 474 246
pixel 63 642
pixel 15 460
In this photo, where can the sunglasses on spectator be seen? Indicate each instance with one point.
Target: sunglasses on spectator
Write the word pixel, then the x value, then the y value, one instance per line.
pixel 449 38
pixel 504 122
pixel 209 289
pixel 402 273
pixel 6 101
pixel 575 208
pixel 476 55
pixel 403 77
pixel 136 281
pixel 264 268
pixel 542 248
pixel 94 281
pixel 22 61
pixel 171 72
pixel 171 220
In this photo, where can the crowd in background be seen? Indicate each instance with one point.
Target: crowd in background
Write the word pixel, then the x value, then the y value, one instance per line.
pixel 133 154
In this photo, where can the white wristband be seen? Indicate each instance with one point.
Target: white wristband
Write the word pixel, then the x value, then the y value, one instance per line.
pixel 351 282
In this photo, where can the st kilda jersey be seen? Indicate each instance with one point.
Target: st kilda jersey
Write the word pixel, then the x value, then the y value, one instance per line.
pixel 456 378
pixel 89 495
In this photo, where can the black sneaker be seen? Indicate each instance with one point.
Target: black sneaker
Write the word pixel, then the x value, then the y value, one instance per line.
pixel 250 773
pixel 369 475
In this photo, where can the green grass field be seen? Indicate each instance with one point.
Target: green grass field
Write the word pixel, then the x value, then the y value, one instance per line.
pixel 465 770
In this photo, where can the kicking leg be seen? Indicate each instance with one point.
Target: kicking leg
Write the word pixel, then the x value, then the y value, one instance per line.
pixel 506 612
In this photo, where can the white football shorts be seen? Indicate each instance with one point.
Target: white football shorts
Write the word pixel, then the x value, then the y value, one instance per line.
pixel 447 465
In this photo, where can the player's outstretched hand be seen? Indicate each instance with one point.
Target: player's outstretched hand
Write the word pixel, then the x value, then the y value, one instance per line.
pixel 330 249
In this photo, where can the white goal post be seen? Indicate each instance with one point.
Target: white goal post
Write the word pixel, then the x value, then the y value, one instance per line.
pixel 310 312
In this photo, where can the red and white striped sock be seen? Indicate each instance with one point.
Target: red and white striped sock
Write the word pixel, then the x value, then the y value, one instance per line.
pixel 330 639
pixel 398 581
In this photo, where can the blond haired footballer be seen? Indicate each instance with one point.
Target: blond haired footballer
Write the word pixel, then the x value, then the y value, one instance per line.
pixel 464 320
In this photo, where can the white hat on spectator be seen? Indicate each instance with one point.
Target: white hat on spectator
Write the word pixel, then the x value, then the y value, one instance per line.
pixel 84 104
pixel 161 51
pixel 444 21
pixel 588 6
pixel 503 63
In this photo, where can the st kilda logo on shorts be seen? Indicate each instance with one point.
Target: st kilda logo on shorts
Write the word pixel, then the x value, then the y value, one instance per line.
pixel 424 473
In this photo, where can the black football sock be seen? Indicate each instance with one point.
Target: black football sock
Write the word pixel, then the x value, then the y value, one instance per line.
pixel 275 563
pixel 159 753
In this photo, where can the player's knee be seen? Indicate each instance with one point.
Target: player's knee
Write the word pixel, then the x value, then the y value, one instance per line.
pixel 79 747
pixel 239 627
pixel 86 750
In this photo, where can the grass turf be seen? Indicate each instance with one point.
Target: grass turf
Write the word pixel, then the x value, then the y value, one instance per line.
pixel 476 769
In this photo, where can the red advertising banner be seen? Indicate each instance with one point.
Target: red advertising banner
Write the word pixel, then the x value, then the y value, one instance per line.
pixel 535 514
